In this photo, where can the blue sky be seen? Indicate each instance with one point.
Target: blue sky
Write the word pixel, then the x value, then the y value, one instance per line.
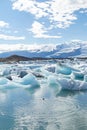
pixel 42 21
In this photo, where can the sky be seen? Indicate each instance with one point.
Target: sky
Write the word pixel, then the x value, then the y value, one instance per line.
pixel 42 21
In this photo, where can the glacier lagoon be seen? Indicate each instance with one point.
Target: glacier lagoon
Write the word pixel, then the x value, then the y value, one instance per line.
pixel 43 95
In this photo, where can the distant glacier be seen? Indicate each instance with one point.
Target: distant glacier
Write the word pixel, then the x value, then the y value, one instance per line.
pixel 65 50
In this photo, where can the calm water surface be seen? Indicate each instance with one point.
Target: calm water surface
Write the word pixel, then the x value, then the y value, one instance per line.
pixel 23 109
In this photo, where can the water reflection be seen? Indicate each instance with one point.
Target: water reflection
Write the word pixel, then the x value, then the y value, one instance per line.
pixel 22 110
pixel 65 93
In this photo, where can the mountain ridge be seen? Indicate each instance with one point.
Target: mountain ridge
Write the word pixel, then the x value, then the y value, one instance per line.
pixel 73 49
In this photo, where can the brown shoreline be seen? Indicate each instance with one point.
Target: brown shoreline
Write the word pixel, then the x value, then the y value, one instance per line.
pixel 17 58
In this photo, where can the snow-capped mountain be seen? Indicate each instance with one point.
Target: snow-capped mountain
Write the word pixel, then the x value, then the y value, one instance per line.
pixel 72 49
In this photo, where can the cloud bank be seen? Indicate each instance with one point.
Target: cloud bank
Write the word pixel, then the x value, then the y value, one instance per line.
pixel 59 14
pixel 3 24
pixel 8 37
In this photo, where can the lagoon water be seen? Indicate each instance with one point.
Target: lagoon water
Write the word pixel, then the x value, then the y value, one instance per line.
pixel 22 110
pixel 46 107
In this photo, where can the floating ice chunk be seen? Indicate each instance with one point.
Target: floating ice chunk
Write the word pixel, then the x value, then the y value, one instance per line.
pixel 7 84
pixel 31 80
pixel 67 83
pixel 51 69
pixel 78 76
pixel 38 70
pixel 36 74
pixel 45 73
pixel 6 72
pixel 10 85
pixel 9 77
pixel 53 83
pixel 63 69
pixel 22 73
pixel 85 78
pixel 70 84
pixel 83 85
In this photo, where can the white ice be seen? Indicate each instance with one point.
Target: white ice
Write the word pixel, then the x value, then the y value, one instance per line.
pixel 71 75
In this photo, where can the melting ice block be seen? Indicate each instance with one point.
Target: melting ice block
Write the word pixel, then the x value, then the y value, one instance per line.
pixel 71 84
pixel 51 69
pixel 23 73
pixel 6 72
pixel 6 84
pixel 64 69
pixel 31 80
pixel 53 83
pixel 85 78
pixel 78 75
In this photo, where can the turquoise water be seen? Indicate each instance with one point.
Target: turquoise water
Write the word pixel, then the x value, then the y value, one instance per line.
pixel 23 109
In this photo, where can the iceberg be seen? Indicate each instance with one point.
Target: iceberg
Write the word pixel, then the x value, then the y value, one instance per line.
pixel 85 78
pixel 54 84
pixel 51 69
pixel 30 80
pixel 7 84
pixel 6 72
pixel 78 75
pixel 71 84
pixel 55 76
pixel 64 69
pixel 45 73
pixel 52 81
pixel 22 73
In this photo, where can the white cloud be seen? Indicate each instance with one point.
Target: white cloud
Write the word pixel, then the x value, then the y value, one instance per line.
pixel 28 47
pixel 32 6
pixel 40 47
pixel 83 11
pixel 8 37
pixel 60 13
pixel 3 24
pixel 40 31
pixel 76 40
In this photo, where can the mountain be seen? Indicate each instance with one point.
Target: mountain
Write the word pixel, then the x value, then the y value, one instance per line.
pixel 66 50
pixel 15 58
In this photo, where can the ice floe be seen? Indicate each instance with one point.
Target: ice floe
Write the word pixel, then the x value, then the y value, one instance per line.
pixel 59 75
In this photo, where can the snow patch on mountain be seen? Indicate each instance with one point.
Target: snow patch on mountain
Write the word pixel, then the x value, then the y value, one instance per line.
pixel 70 49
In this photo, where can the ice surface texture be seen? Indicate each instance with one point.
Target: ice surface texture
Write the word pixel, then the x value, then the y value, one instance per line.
pixel 69 75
